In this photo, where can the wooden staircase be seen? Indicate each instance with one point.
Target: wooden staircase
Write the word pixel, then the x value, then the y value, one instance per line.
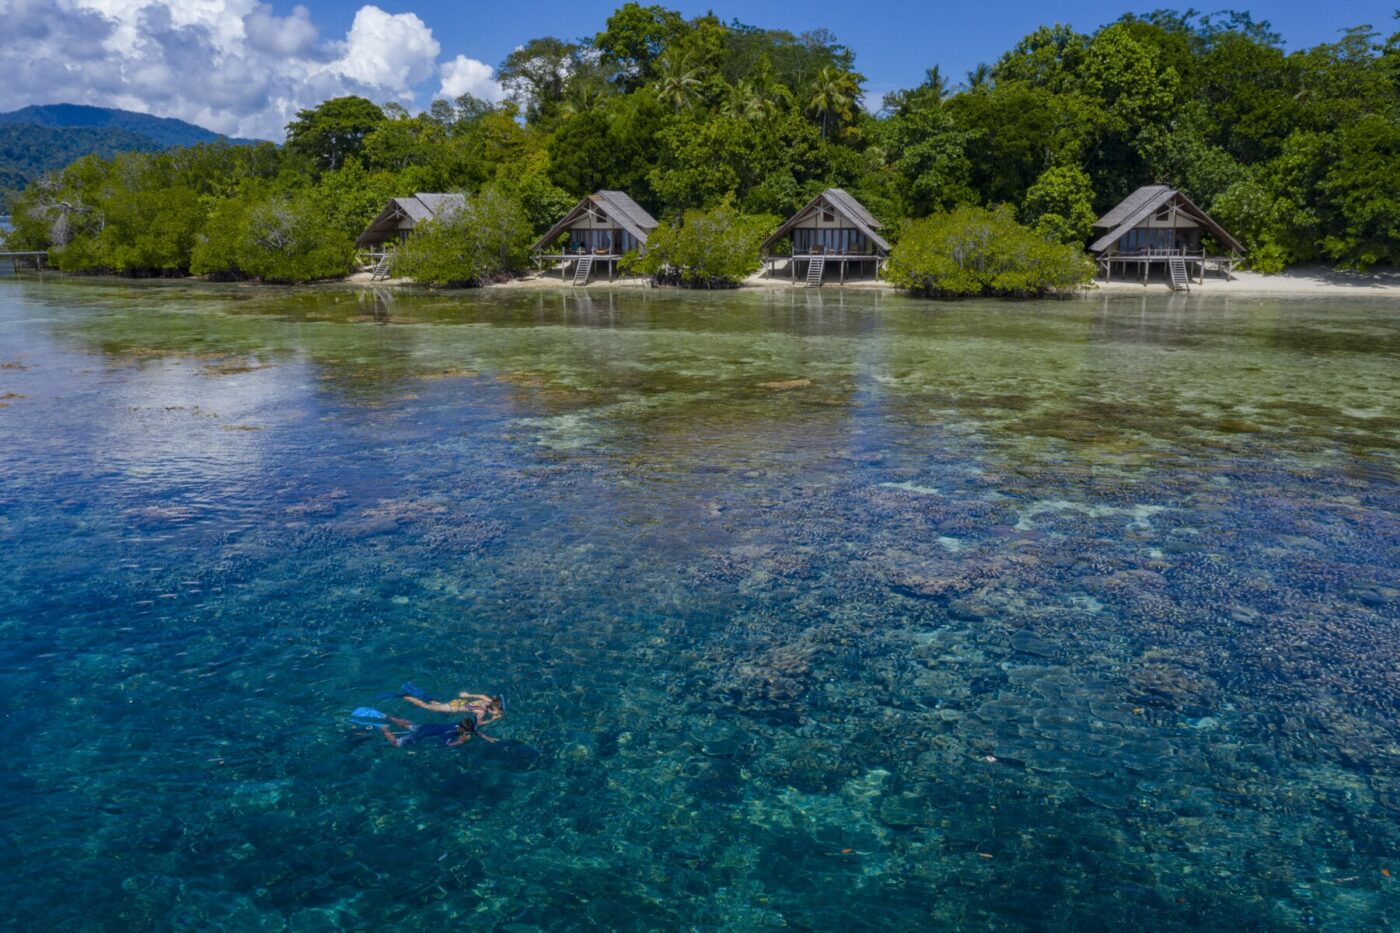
pixel 583 270
pixel 1176 272
pixel 815 267
pixel 381 269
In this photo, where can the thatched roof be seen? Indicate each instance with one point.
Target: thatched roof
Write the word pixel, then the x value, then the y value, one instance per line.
pixel 621 209
pixel 1142 204
pixel 406 213
pixel 845 206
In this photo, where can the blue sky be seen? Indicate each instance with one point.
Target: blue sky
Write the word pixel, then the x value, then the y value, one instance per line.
pixel 247 67
pixel 894 40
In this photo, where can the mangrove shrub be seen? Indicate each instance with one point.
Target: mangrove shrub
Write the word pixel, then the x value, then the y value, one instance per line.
pixel 975 251
pixel 485 240
pixel 717 248
pixel 278 238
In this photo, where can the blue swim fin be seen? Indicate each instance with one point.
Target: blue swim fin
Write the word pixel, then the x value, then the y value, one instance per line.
pixel 368 716
pixel 411 689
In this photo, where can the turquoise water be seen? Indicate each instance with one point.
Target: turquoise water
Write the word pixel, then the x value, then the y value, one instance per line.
pixel 813 611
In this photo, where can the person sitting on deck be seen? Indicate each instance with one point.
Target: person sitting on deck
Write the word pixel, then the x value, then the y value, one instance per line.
pixel 445 735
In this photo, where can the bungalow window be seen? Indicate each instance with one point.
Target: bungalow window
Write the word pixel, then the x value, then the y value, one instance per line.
pixel 1145 238
pixel 841 242
pixel 828 216
pixel 590 241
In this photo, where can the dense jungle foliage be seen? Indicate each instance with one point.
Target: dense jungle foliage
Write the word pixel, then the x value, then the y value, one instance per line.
pixel 1297 152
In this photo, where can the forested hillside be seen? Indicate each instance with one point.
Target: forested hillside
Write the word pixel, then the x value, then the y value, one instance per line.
pixel 1298 152
pixel 164 132
pixel 39 139
pixel 27 152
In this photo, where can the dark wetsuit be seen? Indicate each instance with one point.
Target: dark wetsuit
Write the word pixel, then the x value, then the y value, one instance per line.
pixel 433 733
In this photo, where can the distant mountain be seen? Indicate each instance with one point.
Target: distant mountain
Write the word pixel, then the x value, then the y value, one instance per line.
pixel 165 132
pixel 39 139
pixel 29 151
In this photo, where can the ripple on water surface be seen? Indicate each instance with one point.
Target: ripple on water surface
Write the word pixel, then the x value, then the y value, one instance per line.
pixel 823 612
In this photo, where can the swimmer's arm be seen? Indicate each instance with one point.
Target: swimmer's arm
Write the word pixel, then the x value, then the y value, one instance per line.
pixel 389 735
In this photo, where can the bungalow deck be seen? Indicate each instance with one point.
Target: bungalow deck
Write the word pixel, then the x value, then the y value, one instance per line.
pixel 1141 262
pixel 568 262
pixel 841 261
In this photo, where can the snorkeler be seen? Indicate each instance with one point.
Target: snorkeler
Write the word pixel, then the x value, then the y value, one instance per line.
pixel 446 735
pixel 486 709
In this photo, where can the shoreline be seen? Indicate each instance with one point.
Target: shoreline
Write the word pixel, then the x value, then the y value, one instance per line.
pixel 1301 282
pixel 1306 281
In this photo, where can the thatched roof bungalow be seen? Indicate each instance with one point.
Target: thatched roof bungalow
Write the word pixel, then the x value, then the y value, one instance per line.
pixel 834 228
pixel 401 215
pixel 1157 225
pixel 601 228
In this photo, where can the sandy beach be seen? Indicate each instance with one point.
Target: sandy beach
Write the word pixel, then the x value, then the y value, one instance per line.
pixel 1313 281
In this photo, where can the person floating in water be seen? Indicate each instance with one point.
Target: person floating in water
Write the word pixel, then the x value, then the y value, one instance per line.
pixel 486 709
pixel 444 734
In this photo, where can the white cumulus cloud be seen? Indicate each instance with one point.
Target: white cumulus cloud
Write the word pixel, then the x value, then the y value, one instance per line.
pixel 384 50
pixel 464 75
pixel 240 67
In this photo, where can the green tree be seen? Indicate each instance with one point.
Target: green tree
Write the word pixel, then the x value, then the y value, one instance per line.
pixel 834 96
pixel 1015 131
pixel 536 75
pixel 272 237
pixel 333 131
pixel 979 78
pixel 1049 58
pixel 634 38
pixel 678 82
pixel 930 154
pixel 1363 184
pixel 1060 205
pixel 582 154
pixel 486 240
pixel 974 251
pixel 716 248
pixel 1248 210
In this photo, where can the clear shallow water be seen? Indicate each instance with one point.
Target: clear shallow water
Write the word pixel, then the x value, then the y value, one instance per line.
pixel 813 611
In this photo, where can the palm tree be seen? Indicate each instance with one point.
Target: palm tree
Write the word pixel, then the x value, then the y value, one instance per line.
pixel 979 77
pixel 744 102
pixel 677 83
pixel 583 96
pixel 935 83
pixel 834 93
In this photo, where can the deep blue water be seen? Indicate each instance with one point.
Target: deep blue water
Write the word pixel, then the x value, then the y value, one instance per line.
pixel 813 611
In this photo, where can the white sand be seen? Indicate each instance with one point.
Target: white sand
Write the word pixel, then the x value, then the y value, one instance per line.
pixel 1307 281
pixel 1303 281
